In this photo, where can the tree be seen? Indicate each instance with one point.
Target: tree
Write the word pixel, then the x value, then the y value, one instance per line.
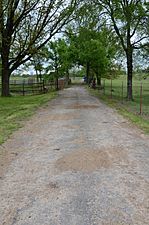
pixel 54 60
pixel 25 27
pixel 129 19
pixel 38 60
pixel 100 63
pixel 94 50
pixel 65 59
pixel 59 57
pixel 92 42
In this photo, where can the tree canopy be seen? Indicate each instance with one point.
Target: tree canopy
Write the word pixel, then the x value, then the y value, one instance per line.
pixel 25 27
pixel 95 33
pixel 129 19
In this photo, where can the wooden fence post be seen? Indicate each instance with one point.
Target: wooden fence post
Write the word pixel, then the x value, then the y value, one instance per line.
pixel 57 84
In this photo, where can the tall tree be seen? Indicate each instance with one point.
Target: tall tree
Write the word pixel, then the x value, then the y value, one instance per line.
pixel 59 57
pixel 25 27
pixel 129 19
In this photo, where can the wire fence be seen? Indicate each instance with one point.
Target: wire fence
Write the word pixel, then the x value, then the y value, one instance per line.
pixel 27 88
pixel 117 90
pixel 32 87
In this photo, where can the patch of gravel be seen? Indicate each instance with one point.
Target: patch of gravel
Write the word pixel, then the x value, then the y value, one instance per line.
pixel 89 160
pixel 75 162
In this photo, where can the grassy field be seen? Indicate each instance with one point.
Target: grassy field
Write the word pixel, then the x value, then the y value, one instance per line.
pixel 133 106
pixel 130 109
pixel 15 110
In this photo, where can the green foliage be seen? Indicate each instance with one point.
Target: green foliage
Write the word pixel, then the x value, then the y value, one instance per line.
pixel 25 27
pixel 61 59
pixel 87 15
pixel 95 48
pixel 78 72
pixel 129 20
pixel 49 77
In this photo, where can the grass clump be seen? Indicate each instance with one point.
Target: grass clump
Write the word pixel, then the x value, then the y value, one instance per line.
pixel 14 110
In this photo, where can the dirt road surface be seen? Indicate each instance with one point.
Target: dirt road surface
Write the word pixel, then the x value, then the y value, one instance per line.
pixel 76 162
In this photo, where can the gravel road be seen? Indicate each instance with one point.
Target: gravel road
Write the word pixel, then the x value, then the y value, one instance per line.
pixel 76 162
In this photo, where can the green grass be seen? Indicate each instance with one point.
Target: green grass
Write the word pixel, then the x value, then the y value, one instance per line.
pixel 14 110
pixel 133 106
pixel 129 109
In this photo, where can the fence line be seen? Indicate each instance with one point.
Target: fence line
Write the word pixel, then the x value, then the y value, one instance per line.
pixel 115 89
pixel 27 88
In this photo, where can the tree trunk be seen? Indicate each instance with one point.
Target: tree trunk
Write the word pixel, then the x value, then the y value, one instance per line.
pixel 67 77
pixel 5 66
pixel 37 77
pixel 40 76
pixel 129 74
pixel 5 79
pixel 98 80
pixel 57 87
